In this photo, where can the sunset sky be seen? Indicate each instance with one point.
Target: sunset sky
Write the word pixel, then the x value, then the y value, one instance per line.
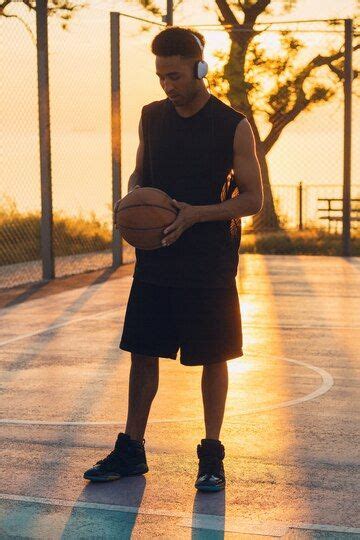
pixel 80 102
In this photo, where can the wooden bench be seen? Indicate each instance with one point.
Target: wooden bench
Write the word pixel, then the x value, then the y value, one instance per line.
pixel 335 214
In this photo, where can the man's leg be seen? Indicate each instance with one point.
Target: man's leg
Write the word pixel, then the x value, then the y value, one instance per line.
pixel 143 385
pixel 214 385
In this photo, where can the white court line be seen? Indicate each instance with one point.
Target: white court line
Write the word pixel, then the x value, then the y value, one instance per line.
pixel 326 384
pixel 203 521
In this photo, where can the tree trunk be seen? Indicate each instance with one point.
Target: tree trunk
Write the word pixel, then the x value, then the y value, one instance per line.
pixel 234 71
pixel 267 218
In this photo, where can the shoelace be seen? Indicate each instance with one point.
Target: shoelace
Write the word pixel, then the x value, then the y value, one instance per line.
pixel 114 456
pixel 110 458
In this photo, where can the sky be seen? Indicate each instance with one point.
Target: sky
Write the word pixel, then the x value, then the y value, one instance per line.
pixel 79 66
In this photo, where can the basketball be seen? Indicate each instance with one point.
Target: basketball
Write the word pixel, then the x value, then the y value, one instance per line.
pixel 142 215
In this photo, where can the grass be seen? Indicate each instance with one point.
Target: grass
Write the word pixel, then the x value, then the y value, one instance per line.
pixel 310 241
pixel 20 237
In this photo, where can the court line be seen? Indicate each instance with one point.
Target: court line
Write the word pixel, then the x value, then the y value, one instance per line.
pixel 203 521
pixel 326 384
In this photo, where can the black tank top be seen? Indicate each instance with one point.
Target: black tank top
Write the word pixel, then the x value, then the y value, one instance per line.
pixel 191 159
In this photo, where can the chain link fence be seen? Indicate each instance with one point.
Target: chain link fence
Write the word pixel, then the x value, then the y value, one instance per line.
pixel 20 201
pixel 315 206
pixel 81 143
pixel 308 150
pixel 308 147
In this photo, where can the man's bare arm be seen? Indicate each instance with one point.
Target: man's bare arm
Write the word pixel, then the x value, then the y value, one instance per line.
pixel 247 175
pixel 136 178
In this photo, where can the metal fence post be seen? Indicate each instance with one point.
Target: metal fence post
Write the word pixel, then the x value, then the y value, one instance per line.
pixel 348 76
pixel 300 198
pixel 46 225
pixel 169 13
pixel 117 248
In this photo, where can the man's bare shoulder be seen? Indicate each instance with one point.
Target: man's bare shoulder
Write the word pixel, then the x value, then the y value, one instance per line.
pixel 244 135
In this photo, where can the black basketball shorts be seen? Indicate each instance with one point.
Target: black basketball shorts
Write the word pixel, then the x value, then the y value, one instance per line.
pixel 204 323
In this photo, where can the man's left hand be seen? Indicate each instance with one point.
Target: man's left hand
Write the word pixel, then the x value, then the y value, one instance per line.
pixel 187 216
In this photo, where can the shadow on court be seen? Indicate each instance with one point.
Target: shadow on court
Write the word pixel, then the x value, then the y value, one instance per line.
pixel 290 429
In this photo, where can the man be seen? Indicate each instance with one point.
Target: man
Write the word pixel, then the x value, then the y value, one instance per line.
pixel 192 146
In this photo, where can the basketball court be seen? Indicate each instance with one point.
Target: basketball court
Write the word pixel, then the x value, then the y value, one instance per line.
pixel 291 422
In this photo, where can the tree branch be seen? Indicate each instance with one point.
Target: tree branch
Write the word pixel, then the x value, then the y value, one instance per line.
pixel 327 60
pixel 227 13
pixel 3 5
pixel 32 35
pixel 64 7
pixel 280 119
pixel 253 11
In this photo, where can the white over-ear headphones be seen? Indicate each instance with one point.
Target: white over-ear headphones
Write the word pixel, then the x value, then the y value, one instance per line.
pixel 200 67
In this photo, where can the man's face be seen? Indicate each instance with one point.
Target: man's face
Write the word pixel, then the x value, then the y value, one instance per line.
pixel 177 79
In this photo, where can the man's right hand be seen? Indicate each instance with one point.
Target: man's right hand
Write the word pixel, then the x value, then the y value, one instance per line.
pixel 137 186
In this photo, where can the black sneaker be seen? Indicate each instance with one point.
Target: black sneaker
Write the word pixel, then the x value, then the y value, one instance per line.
pixel 211 475
pixel 127 459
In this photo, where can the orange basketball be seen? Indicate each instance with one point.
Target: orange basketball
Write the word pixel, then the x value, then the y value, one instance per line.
pixel 142 215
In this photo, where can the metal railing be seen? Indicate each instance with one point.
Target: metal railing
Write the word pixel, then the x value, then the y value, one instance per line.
pixel 299 205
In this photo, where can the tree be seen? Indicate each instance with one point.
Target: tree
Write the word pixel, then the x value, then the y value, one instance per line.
pixel 64 9
pixel 297 89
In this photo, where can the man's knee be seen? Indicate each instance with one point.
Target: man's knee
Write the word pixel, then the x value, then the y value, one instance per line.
pixel 144 360
pixel 215 366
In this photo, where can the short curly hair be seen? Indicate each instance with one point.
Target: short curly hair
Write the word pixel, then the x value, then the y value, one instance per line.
pixel 176 40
